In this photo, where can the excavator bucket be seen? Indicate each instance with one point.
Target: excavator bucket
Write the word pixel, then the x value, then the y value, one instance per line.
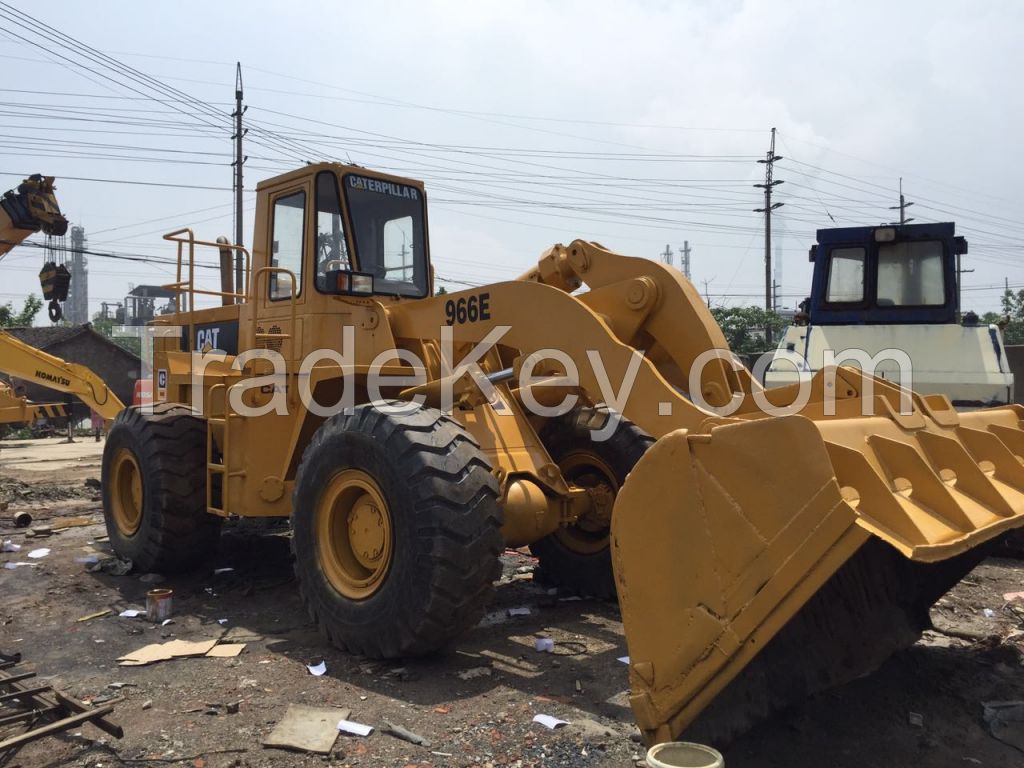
pixel 798 552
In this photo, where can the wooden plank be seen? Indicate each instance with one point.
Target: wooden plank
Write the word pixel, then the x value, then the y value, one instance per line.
pixel 8 679
pixel 102 723
pixel 55 727
pixel 26 715
pixel 23 693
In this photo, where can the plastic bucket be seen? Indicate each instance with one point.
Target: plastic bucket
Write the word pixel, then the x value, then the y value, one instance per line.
pixel 684 754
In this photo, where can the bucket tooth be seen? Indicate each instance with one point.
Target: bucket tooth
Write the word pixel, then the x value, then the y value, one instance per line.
pixel 948 455
pixel 1012 438
pixel 914 479
pixel 993 456
pixel 879 509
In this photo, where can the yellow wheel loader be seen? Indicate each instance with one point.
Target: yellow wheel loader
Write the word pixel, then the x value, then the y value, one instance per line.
pixel 761 544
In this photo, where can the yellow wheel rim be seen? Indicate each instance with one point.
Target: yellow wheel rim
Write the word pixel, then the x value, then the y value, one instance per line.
pixel 354 534
pixel 585 469
pixel 126 492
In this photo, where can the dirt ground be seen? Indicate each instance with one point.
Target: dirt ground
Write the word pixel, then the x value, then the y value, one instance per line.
pixel 474 704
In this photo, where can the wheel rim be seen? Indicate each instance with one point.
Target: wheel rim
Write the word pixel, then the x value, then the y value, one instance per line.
pixel 354 534
pixel 585 469
pixel 126 492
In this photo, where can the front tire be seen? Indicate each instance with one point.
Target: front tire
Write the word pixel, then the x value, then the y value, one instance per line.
pixel 154 490
pixel 396 531
pixel 577 558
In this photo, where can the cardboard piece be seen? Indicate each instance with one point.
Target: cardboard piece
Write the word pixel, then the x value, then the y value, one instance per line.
pixel 309 729
pixel 164 651
pixel 226 650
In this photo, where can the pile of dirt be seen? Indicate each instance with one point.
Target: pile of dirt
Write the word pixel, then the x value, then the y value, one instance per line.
pixel 15 492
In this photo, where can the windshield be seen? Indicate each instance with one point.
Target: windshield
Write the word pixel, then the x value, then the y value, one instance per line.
pixel 388 233
pixel 910 274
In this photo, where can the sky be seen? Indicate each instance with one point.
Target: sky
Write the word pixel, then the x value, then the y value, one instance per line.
pixel 635 125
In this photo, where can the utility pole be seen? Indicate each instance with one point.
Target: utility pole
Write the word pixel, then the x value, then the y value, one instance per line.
pixel 238 163
pixel 707 296
pixel 769 206
pixel 902 207
pixel 684 259
pixel 666 257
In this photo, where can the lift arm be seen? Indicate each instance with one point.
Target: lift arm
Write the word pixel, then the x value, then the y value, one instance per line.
pixel 26 362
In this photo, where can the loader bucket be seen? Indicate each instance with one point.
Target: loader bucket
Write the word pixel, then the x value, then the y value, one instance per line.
pixel 762 561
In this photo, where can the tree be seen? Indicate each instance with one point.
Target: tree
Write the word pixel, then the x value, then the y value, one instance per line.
pixel 1013 306
pixel 9 318
pixel 440 291
pixel 744 327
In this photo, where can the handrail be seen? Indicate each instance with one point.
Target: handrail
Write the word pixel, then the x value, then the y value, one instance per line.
pixel 181 286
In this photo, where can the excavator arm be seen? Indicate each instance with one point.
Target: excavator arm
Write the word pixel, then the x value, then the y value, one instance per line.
pixel 26 362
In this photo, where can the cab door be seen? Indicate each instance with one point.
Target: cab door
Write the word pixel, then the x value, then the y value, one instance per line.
pixel 279 288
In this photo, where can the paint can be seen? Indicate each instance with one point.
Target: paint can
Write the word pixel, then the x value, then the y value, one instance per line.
pixel 158 604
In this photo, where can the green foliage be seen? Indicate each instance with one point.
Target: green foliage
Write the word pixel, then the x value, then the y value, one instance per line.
pixel 9 318
pixel 1013 307
pixel 106 325
pixel 440 291
pixel 744 327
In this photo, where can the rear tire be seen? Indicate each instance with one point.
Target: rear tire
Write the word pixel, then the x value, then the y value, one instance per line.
pixel 396 531
pixel 577 559
pixel 154 490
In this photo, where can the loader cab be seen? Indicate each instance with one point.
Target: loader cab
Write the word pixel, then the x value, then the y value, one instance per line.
pixel 889 274
pixel 342 230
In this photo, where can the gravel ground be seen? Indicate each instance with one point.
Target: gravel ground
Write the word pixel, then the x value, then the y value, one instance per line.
pixel 474 704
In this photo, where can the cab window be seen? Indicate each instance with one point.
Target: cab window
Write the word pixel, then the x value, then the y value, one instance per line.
pixel 388 233
pixel 331 248
pixel 910 274
pixel 845 276
pixel 286 239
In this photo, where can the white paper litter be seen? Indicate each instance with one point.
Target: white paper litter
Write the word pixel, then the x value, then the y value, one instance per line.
pixel 989 613
pixel 131 613
pixel 317 669
pixel 356 729
pixel 225 621
pixel 549 722
pixel 524 611
pixel 545 644
pixel 35 554
pixel 624 659
pixel 165 622
pixel 12 566
pixel 219 571
pixel 10 546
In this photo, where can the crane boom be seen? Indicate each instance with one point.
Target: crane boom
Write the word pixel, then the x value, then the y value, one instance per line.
pixel 30 208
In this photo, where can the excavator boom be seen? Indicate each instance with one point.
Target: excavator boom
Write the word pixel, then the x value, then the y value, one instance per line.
pixel 26 362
